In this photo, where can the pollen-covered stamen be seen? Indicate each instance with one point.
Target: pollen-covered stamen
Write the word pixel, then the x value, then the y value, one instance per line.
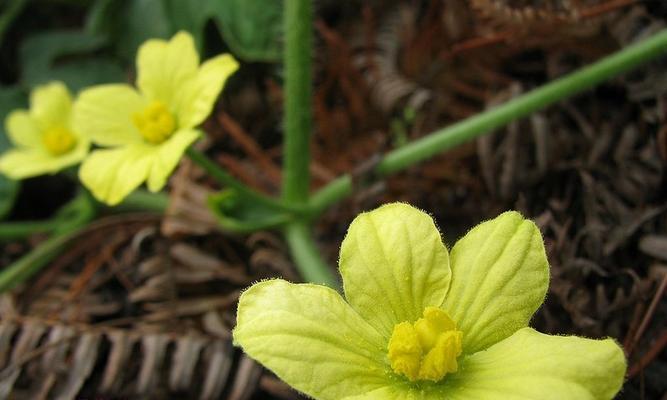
pixel 155 122
pixel 427 349
pixel 58 140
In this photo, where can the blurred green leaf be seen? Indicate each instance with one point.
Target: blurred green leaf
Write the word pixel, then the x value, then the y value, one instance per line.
pixel 9 11
pixel 251 28
pixel 68 56
pixel 129 23
pixel 10 99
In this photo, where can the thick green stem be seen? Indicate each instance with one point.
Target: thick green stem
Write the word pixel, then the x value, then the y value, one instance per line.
pixel 141 200
pixel 298 114
pixel 486 122
pixel 306 255
pixel 228 180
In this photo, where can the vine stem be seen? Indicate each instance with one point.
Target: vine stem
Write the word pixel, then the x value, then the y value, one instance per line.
pixel 307 256
pixel 297 59
pixel 228 180
pixel 486 122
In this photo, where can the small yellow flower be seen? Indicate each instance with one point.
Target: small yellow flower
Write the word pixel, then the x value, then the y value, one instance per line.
pixel 44 138
pixel 419 322
pixel 147 130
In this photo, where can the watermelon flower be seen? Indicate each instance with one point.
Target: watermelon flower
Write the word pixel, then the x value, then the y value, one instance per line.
pixel 418 322
pixel 146 131
pixel 44 139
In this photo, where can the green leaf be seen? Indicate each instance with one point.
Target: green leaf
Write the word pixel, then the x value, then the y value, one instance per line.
pixel 10 99
pixel 239 214
pixel 500 276
pixel 67 56
pixel 10 10
pixel 394 265
pixel 251 28
pixel 311 339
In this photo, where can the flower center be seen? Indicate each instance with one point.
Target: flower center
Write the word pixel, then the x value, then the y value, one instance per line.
pixel 427 349
pixel 58 140
pixel 155 122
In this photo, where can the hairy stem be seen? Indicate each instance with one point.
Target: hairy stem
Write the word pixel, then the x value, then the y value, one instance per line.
pixel 486 122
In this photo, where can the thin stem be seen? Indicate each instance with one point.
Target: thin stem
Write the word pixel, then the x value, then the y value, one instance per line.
pixel 32 262
pixel 298 115
pixel 22 229
pixel 228 180
pixel 486 122
pixel 306 255
pixel 141 200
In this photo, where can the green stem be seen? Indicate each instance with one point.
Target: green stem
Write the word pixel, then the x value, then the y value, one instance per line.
pixel 228 180
pixel 141 200
pixel 297 59
pixel 20 230
pixel 306 255
pixel 28 265
pixel 486 122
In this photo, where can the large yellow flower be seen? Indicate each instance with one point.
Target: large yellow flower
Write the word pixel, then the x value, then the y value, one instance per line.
pixel 148 130
pixel 44 139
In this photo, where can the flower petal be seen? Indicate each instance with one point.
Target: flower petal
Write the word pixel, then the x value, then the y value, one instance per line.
pixel 198 95
pixel 164 67
pixel 500 276
pixel 51 105
pixel 167 157
pixel 311 339
pixel 104 113
pixel 23 130
pixel 393 265
pixel 532 365
pixel 26 163
pixel 113 174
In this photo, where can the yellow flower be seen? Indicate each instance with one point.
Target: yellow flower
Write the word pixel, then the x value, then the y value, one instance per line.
pixel 147 130
pixel 420 322
pixel 44 138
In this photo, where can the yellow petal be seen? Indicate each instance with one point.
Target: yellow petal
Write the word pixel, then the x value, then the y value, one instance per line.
pixel 164 67
pixel 51 105
pixel 311 338
pixel 167 156
pixel 198 95
pixel 113 174
pixel 104 113
pixel 394 265
pixel 532 365
pixel 500 276
pixel 26 163
pixel 23 130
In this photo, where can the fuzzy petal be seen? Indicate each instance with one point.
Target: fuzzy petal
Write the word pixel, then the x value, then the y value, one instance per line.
pixel 311 339
pixel 532 365
pixel 104 113
pixel 27 163
pixel 113 174
pixel 500 276
pixel 51 105
pixel 23 130
pixel 394 265
pixel 167 157
pixel 199 95
pixel 164 67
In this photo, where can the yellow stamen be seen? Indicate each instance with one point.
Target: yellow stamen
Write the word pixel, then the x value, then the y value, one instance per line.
pixel 427 349
pixel 155 122
pixel 58 140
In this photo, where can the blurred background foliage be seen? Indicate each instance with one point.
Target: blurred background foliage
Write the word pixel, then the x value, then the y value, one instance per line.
pixel 85 43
